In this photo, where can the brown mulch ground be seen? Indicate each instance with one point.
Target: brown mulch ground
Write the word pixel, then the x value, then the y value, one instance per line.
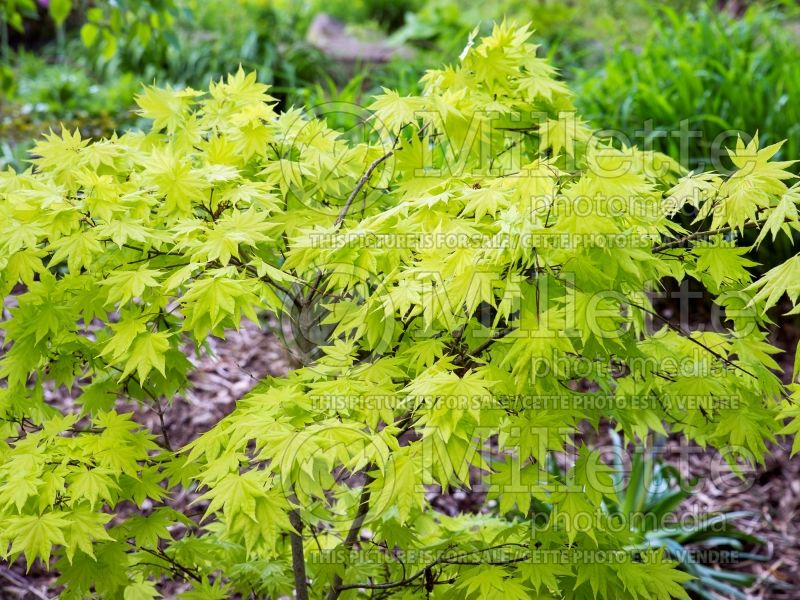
pixel 772 494
pixel 235 366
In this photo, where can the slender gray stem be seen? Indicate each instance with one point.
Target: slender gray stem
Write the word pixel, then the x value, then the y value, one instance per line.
pixel 352 535
pixel 361 183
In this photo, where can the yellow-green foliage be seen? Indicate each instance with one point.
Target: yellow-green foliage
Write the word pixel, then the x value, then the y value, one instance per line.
pixel 472 261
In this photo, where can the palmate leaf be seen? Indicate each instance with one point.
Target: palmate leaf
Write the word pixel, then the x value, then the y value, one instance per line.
pixel 35 535
pixel 516 486
pixel 87 527
pixel 724 264
pixel 147 353
pixel 141 590
pixel 783 279
pixel 783 218
pixel 125 285
pixel 492 582
pixel 791 413
pixel 92 485
pixel 654 578
pixel 593 476
pixel 167 108
pixel 148 530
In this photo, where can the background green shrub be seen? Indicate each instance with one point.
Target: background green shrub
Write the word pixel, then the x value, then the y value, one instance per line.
pixel 719 72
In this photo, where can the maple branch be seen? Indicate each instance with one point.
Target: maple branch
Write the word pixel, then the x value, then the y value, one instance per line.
pixel 363 181
pixel 298 558
pixel 349 202
pixel 443 560
pixel 266 279
pixel 508 330
pixel 503 151
pixel 352 536
pixel 175 565
pixel 687 335
pixel 164 432
pixel 406 324
pixel 700 235
pixel 497 335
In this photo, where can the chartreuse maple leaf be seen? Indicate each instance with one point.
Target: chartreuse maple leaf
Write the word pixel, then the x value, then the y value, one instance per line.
pixel 124 285
pixel 563 134
pixel 210 301
pixel 783 216
pixel 492 582
pixel 167 108
pixel 176 179
pixel 58 154
pixel 782 279
pixel 140 590
pixel 79 250
pixel 723 263
pixel 575 515
pixel 750 188
pixel 790 415
pixel 35 535
pixel 593 476
pixel 515 485
pixel 92 485
pixel 393 111
pixel 87 527
pixel 653 577
pixel 147 353
pixel 401 485
pixel 147 530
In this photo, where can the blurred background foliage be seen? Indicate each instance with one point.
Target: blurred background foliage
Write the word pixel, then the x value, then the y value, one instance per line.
pixel 636 66
pixel 720 72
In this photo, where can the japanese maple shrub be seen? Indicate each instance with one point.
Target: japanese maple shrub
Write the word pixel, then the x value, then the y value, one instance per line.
pixel 469 289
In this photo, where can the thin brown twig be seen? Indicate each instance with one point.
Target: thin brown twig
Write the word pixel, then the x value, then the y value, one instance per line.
pixel 348 203
pixel 443 560
pixel 700 235
pixel 352 536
